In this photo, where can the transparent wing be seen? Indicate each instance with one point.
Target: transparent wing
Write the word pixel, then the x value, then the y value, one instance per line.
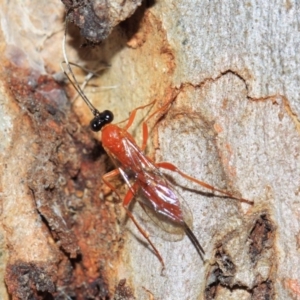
pixel 170 231
pixel 157 196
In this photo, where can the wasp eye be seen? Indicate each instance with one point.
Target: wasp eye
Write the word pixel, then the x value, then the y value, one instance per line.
pixel 101 120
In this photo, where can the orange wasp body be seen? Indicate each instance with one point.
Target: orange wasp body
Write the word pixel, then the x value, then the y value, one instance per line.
pixel 147 178
pixel 155 193
pixel 144 179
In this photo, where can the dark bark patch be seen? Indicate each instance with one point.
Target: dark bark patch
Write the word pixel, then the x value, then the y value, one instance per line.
pixel 97 18
pixel 263 291
pixel 64 174
pixel 123 292
pixel 29 281
pixel 261 236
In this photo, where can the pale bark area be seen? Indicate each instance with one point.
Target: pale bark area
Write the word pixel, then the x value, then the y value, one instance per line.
pixel 234 124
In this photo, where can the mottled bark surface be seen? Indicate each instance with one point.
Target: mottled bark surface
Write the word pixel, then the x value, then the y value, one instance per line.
pixel 97 18
pixel 231 71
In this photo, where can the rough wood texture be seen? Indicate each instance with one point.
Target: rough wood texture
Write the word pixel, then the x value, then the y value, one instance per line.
pixel 234 123
pixel 97 18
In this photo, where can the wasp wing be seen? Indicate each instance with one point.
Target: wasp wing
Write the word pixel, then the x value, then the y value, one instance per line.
pixel 156 194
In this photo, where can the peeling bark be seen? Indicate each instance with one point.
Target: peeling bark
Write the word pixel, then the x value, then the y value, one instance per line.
pixel 97 18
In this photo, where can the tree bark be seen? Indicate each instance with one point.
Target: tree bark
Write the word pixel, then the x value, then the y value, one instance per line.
pixel 230 70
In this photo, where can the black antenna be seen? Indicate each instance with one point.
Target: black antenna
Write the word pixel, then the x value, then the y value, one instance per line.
pixel 100 119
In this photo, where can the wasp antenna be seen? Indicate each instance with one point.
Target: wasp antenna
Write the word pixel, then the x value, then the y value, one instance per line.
pixel 73 81
pixel 194 240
